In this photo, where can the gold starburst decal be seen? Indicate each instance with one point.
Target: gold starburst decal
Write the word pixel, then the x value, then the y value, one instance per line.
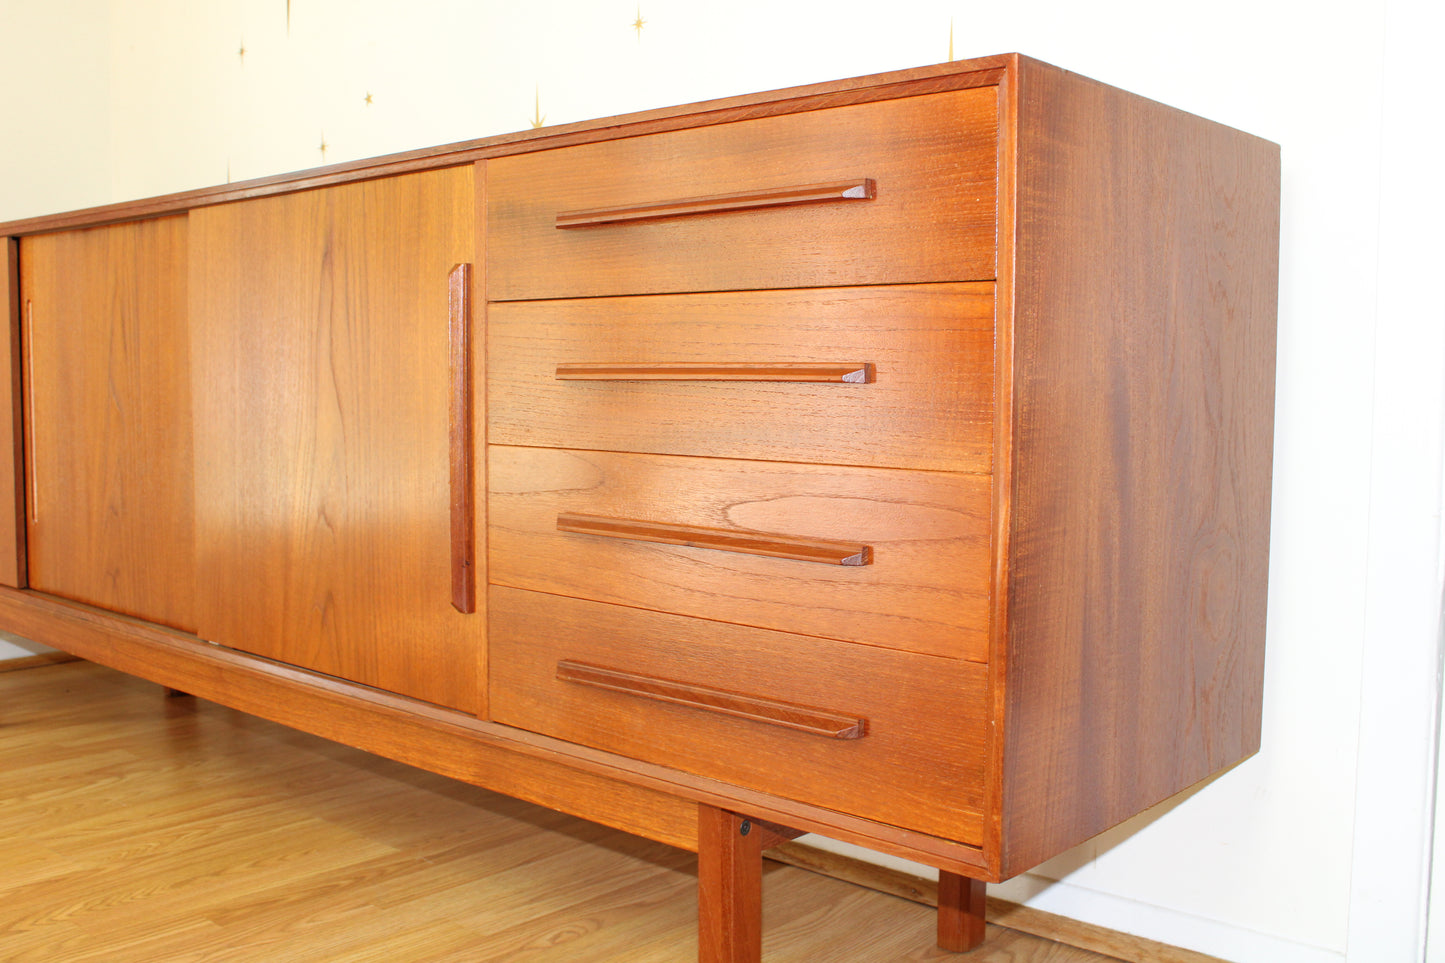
pixel 323 145
pixel 242 53
pixel 638 24
pixel 539 119
pixel 368 98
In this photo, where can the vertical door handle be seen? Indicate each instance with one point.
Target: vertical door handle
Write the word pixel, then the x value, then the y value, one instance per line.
pixel 30 401
pixel 463 515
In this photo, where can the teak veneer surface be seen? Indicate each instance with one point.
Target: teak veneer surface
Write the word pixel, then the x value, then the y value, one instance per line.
pixel 1143 341
pixel 936 78
pixel 13 561
pixel 934 161
pixel 139 829
pixel 640 797
pixel 108 386
pixel 929 405
pixel 924 590
pixel 1046 466
pixel 909 703
pixel 320 331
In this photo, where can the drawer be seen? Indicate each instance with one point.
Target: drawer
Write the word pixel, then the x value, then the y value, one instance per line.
pixel 883 735
pixel 898 191
pixel 887 558
pixel 760 374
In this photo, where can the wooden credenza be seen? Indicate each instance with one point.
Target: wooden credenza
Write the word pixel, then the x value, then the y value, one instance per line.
pixel 888 459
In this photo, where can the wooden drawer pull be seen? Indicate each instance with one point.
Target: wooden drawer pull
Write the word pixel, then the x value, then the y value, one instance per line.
pixel 821 722
pixel 724 540
pixel 860 189
pixel 857 374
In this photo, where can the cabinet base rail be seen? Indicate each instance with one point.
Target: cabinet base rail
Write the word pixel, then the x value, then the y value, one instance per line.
pixel 675 808
pixel 641 798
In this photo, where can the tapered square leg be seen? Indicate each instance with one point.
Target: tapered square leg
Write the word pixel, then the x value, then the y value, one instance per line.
pixel 962 905
pixel 729 888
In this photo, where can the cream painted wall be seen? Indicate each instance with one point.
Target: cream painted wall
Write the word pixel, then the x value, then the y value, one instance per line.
pixel 1259 865
pixel 54 118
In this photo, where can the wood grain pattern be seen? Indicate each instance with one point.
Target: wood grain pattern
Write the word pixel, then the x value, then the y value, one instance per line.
pixel 860 189
pixel 933 219
pixel 875 88
pixel 823 551
pixel 480 426
pixel 323 386
pixel 729 889
pixel 177 830
pixel 931 347
pixel 12 421
pixel 926 589
pixel 1038 657
pixel 445 742
pixel 1143 329
pixel 168 831
pixel 962 906
pixel 110 421
pixel 819 722
pixel 913 705
pixel 32 488
pixel 1003 448
pixel 856 373
pixel 461 441
pixel 553 773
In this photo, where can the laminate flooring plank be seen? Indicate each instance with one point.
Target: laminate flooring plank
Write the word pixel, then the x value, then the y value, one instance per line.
pixel 140 829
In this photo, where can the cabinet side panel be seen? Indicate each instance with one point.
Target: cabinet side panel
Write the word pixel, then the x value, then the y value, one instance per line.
pixel 12 462
pixel 1144 333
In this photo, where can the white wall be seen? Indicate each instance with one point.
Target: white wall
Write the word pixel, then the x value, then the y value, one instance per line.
pixel 1309 852
pixel 1400 670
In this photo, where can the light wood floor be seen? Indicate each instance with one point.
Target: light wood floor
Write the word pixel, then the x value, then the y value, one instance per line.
pixel 140 829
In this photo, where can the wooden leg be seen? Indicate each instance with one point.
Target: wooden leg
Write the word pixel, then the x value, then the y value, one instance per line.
pixel 729 887
pixel 961 907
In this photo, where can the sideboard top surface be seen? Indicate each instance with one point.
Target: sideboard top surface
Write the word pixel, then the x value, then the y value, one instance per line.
pixel 955 75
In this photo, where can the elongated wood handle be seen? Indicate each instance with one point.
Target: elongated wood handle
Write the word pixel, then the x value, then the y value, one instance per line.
pixel 858 189
pixel 33 469
pixel 847 373
pixel 720 539
pixel 463 515
pixel 820 722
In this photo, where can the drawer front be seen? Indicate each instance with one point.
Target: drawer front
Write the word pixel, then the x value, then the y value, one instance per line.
pixel 878 734
pixel 891 192
pixel 753 375
pixel 887 558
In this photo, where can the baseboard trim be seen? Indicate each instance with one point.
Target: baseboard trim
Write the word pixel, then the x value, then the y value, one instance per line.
pixel 1014 916
pixel 35 661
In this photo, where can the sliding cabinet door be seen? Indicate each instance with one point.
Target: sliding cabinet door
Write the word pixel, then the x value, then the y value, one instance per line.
pixel 12 426
pixel 323 382
pixel 107 398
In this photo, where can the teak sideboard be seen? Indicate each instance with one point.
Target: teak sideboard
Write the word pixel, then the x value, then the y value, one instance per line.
pixel 887 459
